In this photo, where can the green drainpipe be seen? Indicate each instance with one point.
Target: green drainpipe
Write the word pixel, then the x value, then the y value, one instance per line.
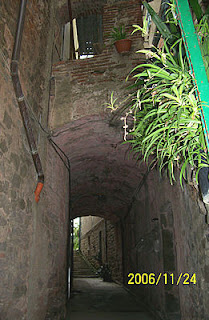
pixel 196 61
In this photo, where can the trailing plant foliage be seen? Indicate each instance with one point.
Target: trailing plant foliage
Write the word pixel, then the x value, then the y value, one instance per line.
pixel 167 128
pixel 161 26
pixel 167 124
pixel 170 31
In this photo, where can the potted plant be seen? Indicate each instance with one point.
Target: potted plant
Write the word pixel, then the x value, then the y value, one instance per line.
pixel 120 39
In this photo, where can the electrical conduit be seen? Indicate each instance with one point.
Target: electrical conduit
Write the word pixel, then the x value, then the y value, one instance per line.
pixel 21 100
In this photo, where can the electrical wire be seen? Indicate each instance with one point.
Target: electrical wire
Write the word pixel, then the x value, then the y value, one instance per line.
pixel 55 146
pixel 51 141
pixel 34 117
pixel 67 166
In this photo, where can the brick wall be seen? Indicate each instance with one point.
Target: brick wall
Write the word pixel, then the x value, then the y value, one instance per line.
pixel 111 250
pixel 86 7
pixel 83 87
pixel 29 232
pixel 90 243
pixel 87 223
pixel 124 13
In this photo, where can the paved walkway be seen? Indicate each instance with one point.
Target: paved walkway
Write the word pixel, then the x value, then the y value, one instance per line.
pixel 93 299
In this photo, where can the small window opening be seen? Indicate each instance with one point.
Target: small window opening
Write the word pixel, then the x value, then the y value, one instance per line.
pixel 89 34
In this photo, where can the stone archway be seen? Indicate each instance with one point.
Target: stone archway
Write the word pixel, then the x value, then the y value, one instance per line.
pixel 104 175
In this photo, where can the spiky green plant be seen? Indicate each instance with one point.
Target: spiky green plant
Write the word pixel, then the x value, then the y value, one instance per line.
pixel 166 113
pixel 170 30
pixel 118 33
pixel 167 124
pixel 161 26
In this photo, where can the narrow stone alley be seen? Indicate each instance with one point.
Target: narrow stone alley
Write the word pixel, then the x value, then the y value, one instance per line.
pixel 63 157
pixel 94 299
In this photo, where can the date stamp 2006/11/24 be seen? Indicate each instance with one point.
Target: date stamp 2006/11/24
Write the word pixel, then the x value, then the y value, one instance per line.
pixel 167 278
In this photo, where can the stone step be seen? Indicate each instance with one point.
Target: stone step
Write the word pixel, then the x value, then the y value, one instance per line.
pixel 85 276
pixel 82 268
pixel 86 270
pixel 86 273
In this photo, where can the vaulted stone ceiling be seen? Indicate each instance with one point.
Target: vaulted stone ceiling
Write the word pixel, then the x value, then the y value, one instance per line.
pixel 103 174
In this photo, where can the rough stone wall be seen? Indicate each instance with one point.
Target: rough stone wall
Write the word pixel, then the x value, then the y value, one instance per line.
pixel 90 243
pixel 28 237
pixel 111 247
pixel 165 232
pixel 83 87
pixel 191 239
pixel 87 223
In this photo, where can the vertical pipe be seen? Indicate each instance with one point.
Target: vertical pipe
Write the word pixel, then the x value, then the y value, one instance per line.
pixel 21 99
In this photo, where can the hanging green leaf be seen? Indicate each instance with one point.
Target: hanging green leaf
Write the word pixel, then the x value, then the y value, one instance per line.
pixel 196 8
pixel 161 26
pixel 167 128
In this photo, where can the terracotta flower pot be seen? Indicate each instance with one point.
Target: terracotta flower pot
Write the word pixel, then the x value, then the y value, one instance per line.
pixel 123 45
